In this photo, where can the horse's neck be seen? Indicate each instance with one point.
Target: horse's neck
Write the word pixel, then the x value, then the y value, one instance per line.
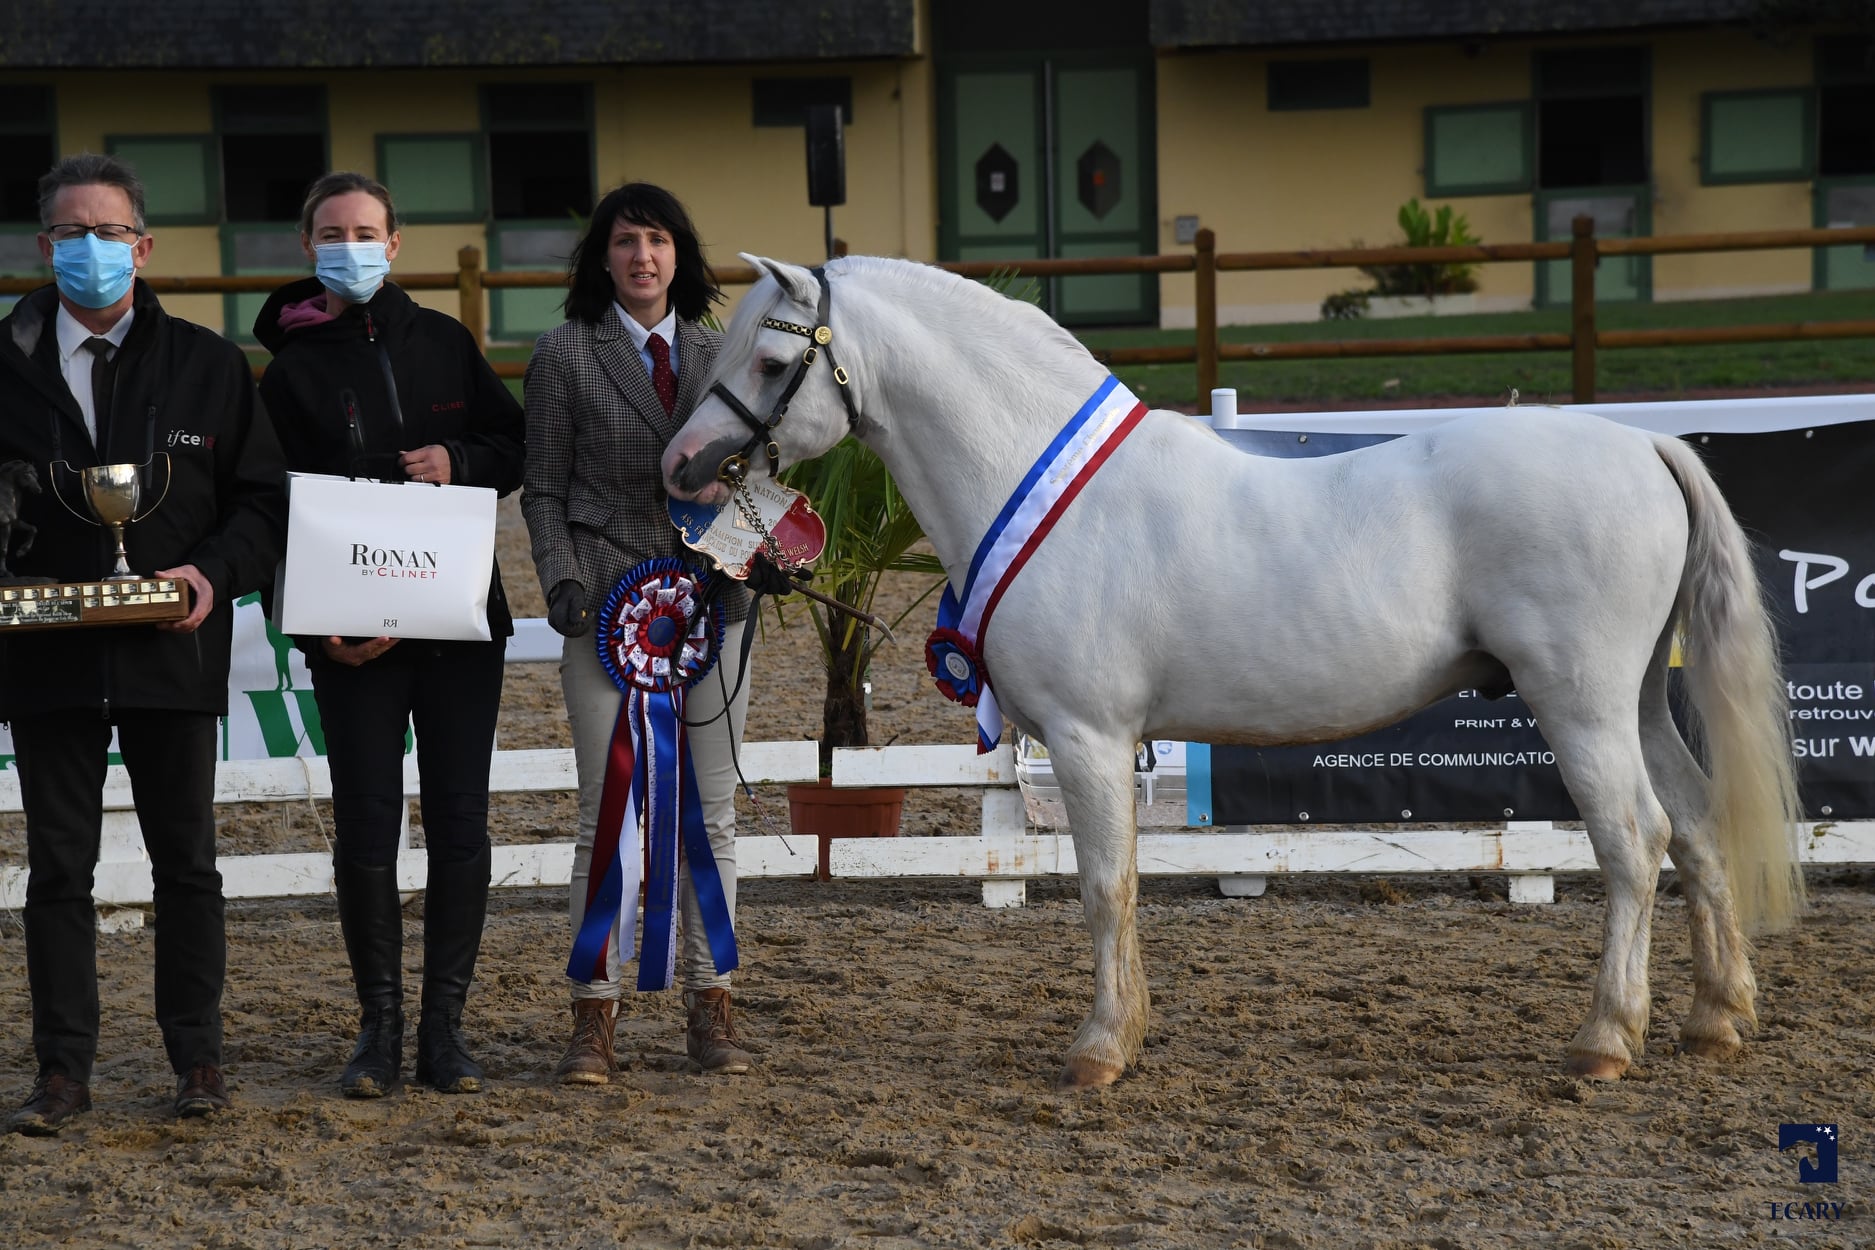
pixel 965 416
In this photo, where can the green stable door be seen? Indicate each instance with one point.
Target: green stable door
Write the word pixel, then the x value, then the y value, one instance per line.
pixel 1840 203
pixel 1052 155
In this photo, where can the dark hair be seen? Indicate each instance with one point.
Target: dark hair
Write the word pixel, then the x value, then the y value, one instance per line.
pixel 344 182
pixel 589 287
pixel 89 169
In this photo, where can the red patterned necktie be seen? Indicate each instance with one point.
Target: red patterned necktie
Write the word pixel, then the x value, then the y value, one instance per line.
pixel 661 375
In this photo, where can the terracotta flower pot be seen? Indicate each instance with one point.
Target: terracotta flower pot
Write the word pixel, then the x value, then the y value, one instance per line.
pixel 818 810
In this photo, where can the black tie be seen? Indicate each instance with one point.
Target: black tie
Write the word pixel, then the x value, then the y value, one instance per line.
pixel 102 377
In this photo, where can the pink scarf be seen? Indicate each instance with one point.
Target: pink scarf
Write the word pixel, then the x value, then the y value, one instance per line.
pixel 310 312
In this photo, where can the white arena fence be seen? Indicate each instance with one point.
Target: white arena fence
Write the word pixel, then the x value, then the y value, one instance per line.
pixel 1006 852
pixel 1019 838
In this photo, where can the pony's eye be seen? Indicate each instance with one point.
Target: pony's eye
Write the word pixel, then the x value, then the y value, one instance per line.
pixel 773 367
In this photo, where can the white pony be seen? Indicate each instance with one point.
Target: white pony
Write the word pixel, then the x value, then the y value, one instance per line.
pixel 1193 591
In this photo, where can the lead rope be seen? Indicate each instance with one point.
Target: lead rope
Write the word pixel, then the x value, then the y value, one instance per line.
pixel 746 506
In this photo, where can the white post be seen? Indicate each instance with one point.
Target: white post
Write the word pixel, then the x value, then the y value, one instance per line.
pixel 1224 408
pixel 1005 893
pixel 1005 816
pixel 1530 887
pixel 1242 887
pixel 120 842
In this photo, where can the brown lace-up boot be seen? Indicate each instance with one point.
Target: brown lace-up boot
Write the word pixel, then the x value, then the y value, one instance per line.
pixel 710 1034
pixel 588 1059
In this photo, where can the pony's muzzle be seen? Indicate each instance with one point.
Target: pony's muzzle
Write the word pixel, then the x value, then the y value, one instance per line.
pixel 692 475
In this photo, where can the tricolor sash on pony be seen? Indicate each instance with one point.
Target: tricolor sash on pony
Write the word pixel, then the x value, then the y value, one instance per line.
pixel 656 637
pixel 954 651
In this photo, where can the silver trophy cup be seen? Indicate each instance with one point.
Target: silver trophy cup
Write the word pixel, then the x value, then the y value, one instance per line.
pixel 113 496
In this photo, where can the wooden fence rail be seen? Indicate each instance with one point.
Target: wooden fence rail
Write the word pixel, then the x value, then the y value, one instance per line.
pixel 1583 250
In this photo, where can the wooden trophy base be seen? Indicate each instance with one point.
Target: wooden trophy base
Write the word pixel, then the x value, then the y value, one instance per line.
pixel 75 605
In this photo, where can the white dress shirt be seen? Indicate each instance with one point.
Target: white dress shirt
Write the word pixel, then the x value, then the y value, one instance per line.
pixel 75 361
pixel 640 335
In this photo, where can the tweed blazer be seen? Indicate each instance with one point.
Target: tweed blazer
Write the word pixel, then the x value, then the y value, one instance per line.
pixel 594 495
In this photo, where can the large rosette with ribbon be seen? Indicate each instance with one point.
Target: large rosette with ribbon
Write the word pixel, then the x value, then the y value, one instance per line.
pixel 658 633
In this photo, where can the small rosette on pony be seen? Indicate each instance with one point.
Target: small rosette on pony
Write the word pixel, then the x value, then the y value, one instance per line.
pixel 955 666
pixel 660 632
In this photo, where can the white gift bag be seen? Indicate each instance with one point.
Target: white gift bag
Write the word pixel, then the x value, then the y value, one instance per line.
pixel 369 559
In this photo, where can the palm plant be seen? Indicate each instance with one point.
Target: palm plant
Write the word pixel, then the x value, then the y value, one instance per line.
pixel 870 532
pixel 1427 229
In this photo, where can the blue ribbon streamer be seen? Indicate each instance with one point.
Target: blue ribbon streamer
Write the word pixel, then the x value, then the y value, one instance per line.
pixel 704 878
pixel 677 834
pixel 656 954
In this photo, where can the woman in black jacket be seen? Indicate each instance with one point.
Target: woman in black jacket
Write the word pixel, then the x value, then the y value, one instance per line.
pixel 429 410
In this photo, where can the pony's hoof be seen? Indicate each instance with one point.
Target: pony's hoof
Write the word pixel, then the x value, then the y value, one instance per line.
pixel 1710 1047
pixel 1592 1067
pixel 1084 1073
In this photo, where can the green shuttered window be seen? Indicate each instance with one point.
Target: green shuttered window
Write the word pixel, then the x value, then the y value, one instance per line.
pixel 1483 149
pixel 434 178
pixel 179 175
pixel 1757 136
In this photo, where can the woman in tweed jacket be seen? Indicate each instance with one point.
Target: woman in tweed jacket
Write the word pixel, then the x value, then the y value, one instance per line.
pixel 604 393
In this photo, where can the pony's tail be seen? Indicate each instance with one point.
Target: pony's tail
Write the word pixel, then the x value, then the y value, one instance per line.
pixel 1740 710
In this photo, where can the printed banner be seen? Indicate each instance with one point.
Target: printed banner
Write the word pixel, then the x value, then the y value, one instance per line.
pixel 271 712
pixel 1796 474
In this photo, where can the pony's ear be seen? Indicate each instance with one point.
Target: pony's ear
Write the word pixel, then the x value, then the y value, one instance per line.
pixel 796 283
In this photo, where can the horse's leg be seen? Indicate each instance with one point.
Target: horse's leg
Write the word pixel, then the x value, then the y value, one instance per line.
pixel 1096 779
pixel 1599 752
pixel 1723 985
pixel 26 544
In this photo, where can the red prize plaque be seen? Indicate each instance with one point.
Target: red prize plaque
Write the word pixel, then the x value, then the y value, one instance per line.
pixel 723 534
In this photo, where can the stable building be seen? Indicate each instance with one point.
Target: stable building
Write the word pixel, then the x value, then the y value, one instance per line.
pixel 972 130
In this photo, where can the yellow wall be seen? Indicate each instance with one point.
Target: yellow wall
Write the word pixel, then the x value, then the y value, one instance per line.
pixel 1286 181
pixel 1684 68
pixel 689 129
pixel 1260 180
pixel 92 106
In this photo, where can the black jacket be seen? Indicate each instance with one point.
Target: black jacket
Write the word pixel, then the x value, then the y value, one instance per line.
pixel 444 393
pixel 180 390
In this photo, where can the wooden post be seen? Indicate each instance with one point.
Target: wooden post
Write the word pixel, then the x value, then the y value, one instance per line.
pixel 1205 312
pixel 469 292
pixel 1582 307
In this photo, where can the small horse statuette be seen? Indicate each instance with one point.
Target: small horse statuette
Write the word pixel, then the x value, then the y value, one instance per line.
pixel 17 478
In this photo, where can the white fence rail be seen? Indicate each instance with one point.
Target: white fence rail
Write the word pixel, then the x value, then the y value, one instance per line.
pixel 1003 854
pixel 1007 853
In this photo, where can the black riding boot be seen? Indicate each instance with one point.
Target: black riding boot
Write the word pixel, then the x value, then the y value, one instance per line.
pixel 453 910
pixel 372 919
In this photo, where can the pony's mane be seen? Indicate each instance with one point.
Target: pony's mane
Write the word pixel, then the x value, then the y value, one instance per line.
pixel 954 295
pixel 945 299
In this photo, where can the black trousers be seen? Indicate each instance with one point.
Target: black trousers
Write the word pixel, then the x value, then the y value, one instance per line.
pixel 171 759
pixel 451 692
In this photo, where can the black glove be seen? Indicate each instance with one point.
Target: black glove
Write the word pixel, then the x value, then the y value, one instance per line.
pixel 566 609
pixel 766 578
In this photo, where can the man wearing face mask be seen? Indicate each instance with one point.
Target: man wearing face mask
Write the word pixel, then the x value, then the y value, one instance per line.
pixel 92 372
pixel 366 383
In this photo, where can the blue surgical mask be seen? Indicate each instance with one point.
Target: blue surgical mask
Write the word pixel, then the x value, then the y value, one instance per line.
pixel 351 271
pixel 91 272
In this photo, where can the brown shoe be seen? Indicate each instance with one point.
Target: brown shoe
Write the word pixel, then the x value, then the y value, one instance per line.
pixel 588 1059
pixel 201 1092
pixel 55 1099
pixel 710 1034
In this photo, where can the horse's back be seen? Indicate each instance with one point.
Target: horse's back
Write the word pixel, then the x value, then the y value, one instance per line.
pixel 1340 592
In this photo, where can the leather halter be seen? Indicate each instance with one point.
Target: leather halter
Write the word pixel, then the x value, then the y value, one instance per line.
pixel 820 341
